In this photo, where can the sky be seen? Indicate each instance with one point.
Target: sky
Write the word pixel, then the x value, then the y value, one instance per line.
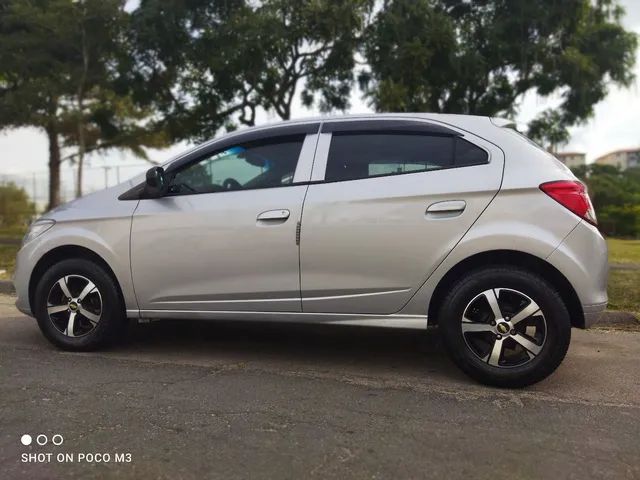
pixel 614 125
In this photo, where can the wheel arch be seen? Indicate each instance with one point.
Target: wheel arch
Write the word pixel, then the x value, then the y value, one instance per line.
pixel 65 252
pixel 512 258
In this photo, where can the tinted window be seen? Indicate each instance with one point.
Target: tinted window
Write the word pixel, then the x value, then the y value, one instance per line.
pixel 262 164
pixel 468 154
pixel 353 156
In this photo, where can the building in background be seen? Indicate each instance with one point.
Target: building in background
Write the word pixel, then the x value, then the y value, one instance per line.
pixel 622 159
pixel 572 159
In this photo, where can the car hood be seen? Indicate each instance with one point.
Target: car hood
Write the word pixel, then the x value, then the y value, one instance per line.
pixel 96 205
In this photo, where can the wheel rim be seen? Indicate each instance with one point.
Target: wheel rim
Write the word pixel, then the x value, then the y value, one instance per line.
pixel 504 327
pixel 74 305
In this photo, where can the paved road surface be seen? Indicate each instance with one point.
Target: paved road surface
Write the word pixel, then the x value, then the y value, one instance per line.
pixel 222 400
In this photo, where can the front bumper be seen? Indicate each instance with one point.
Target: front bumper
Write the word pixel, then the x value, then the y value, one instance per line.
pixel 21 279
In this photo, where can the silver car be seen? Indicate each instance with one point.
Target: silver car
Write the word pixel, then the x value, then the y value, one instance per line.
pixel 381 220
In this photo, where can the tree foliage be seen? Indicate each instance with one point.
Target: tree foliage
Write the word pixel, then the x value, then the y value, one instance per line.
pixel 549 130
pixel 481 57
pixel 616 197
pixel 206 65
pixel 56 71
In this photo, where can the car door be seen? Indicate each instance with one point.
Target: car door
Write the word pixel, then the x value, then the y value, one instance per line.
pixel 224 237
pixel 389 200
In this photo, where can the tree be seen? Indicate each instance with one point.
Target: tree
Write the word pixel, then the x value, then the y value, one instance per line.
pixel 481 57
pixel 549 130
pixel 207 65
pixel 616 197
pixel 309 45
pixel 56 68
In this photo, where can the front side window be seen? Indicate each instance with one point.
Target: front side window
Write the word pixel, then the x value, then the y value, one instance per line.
pixel 261 164
pixel 360 155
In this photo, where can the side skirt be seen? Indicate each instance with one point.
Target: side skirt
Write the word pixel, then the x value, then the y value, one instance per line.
pixel 391 321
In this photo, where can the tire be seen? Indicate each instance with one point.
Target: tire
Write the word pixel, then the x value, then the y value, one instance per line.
pixel 99 317
pixel 536 341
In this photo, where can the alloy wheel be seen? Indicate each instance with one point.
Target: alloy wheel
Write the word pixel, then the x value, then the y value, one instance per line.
pixel 504 327
pixel 74 305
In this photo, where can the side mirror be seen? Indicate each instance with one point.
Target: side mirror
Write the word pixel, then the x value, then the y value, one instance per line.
pixel 155 185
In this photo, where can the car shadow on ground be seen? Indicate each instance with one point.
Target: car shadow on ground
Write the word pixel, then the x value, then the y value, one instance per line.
pixel 362 349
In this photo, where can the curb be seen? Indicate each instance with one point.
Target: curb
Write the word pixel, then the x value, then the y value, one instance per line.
pixel 616 317
pixel 6 287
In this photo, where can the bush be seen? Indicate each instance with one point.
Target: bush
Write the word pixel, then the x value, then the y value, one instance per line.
pixel 616 198
pixel 15 207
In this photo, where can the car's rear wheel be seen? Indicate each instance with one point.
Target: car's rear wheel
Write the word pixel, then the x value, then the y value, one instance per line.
pixel 78 305
pixel 505 326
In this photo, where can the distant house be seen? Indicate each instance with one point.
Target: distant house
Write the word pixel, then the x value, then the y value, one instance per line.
pixel 622 159
pixel 572 159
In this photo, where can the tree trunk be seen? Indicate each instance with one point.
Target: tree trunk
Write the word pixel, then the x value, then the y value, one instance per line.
pixel 83 78
pixel 54 166
pixel 81 151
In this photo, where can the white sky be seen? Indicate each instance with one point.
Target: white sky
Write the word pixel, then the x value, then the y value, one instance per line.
pixel 615 125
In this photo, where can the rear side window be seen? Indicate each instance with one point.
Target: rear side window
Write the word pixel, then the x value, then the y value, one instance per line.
pixel 361 155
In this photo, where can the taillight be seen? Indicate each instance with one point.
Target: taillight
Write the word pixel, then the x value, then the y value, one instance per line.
pixel 572 195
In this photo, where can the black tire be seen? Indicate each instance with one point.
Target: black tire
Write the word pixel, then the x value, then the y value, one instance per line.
pixel 556 329
pixel 112 318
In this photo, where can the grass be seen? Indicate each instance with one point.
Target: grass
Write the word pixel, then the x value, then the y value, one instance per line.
pixel 624 285
pixel 624 291
pixel 624 251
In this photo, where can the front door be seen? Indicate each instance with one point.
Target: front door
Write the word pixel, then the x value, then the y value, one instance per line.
pixel 224 238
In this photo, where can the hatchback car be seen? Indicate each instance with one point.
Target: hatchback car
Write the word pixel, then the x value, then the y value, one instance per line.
pixel 381 220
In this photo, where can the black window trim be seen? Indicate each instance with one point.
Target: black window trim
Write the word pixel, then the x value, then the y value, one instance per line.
pixel 386 125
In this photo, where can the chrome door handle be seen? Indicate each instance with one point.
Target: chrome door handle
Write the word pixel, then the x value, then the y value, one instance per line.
pixel 446 209
pixel 273 215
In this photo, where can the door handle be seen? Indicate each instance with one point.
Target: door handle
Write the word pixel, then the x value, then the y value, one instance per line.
pixel 446 209
pixel 273 215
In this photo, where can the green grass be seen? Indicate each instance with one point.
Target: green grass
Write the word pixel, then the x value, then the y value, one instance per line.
pixel 624 251
pixel 624 285
pixel 624 291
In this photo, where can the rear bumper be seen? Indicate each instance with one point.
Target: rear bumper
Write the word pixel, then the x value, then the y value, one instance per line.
pixel 592 313
pixel 582 258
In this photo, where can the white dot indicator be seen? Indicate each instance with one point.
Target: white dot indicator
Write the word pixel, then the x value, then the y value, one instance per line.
pixel 26 439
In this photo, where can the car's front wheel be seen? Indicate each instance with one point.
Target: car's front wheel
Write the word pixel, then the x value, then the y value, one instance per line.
pixel 505 326
pixel 78 305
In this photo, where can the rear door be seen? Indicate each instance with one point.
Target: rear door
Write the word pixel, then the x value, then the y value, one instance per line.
pixel 389 200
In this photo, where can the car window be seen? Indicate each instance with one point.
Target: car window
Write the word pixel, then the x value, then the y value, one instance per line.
pixel 263 164
pixel 360 155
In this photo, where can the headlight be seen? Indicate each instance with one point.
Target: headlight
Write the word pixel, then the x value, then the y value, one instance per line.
pixel 36 229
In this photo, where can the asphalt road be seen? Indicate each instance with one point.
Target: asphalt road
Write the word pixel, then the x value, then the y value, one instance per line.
pixel 225 400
